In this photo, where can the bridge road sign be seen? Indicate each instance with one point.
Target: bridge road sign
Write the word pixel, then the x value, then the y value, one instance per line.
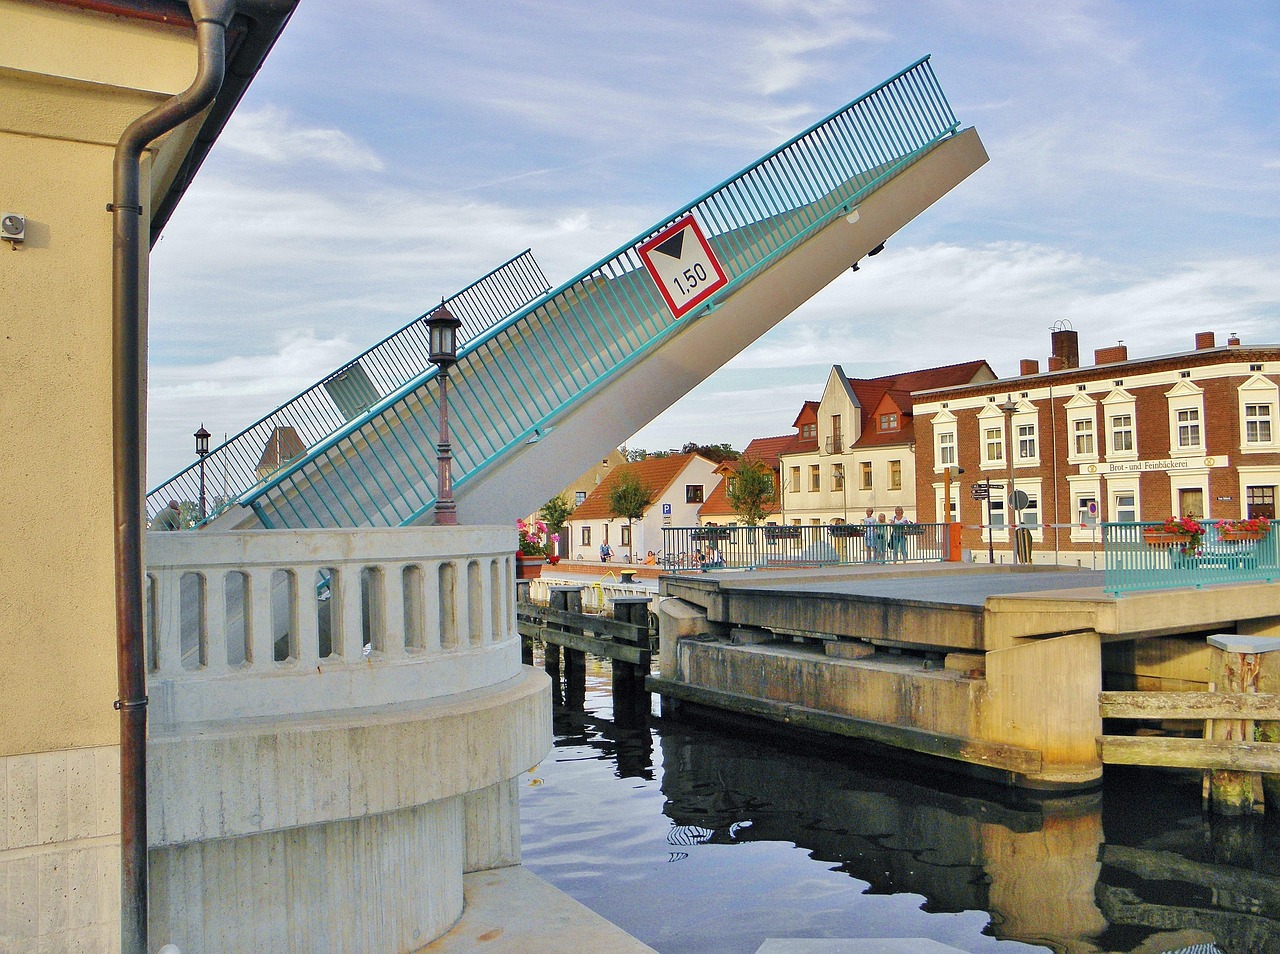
pixel 680 261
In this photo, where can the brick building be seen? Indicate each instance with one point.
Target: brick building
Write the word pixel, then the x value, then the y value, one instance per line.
pixel 1192 433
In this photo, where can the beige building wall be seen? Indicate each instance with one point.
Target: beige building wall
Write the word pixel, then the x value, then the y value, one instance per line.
pixel 836 499
pixel 69 84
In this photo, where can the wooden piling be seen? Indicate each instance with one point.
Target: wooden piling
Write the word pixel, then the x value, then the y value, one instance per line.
pixel 1234 665
pixel 629 694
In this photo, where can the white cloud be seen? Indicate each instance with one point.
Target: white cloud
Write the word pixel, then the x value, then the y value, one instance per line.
pixel 269 134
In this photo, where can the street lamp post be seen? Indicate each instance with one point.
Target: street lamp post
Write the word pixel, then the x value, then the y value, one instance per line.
pixel 202 449
pixel 442 331
pixel 1012 517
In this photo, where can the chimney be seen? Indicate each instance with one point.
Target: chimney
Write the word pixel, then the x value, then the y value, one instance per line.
pixel 1066 345
pixel 1028 366
pixel 1113 355
pixel 1233 341
pixel 1056 363
pixel 1204 340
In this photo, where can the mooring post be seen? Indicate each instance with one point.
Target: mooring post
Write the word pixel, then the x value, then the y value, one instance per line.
pixel 568 599
pixel 526 642
pixel 1235 666
pixel 628 679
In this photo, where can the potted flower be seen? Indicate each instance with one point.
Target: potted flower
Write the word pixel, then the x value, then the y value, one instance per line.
pixel 845 530
pixel 1253 528
pixel 533 548
pixel 1182 532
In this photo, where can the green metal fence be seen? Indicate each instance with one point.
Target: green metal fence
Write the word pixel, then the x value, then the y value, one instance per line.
pixel 748 548
pixel 1138 557
pixel 519 376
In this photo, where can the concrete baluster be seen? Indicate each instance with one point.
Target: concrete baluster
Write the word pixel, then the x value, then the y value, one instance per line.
pixel 394 625
pixel 432 612
pixel 348 637
pixel 215 622
pixel 258 618
pixel 167 639
pixel 305 613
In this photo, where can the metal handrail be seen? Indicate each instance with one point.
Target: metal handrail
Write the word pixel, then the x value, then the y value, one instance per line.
pixel 328 406
pixel 1134 561
pixel 739 547
pixel 517 377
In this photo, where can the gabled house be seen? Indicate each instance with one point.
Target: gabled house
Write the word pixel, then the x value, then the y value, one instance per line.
pixel 679 484
pixel 856 447
pixel 717 511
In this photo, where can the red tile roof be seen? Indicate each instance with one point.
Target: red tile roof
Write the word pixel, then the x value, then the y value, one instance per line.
pixel 767 449
pixel 871 393
pixel 656 473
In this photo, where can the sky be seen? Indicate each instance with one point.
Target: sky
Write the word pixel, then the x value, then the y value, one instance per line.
pixel 390 152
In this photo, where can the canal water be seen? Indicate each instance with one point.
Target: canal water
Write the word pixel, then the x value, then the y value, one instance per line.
pixel 709 838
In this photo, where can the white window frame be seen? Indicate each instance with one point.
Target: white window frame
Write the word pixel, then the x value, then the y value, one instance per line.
pixel 944 423
pixel 1119 404
pixel 1082 487
pixel 1185 397
pixel 1259 390
pixel 1261 415
pixel 1081 409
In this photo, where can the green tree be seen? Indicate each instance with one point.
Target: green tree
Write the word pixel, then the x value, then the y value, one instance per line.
pixel 718 453
pixel 752 491
pixel 629 498
pixel 555 512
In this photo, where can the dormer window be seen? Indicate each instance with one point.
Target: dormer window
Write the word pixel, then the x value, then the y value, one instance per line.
pixel 809 431
pixel 888 422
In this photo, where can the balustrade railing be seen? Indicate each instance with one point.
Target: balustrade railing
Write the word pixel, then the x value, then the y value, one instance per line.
pixel 1139 556
pixel 739 547
pixel 602 321
pixel 278 623
pixel 346 395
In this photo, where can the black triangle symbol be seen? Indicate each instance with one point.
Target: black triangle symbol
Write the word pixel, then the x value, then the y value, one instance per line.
pixel 672 246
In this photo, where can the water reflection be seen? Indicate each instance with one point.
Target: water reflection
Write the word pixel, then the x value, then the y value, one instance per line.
pixel 1133 867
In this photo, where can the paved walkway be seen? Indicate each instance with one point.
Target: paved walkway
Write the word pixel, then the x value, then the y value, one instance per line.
pixel 513 911
pixel 963 585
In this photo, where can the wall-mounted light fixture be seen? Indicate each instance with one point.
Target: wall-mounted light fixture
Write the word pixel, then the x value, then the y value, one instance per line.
pixel 13 229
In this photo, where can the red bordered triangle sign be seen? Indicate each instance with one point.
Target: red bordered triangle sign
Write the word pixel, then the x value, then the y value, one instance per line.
pixel 680 261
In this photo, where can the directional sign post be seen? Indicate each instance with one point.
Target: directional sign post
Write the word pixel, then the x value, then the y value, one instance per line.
pixel 682 264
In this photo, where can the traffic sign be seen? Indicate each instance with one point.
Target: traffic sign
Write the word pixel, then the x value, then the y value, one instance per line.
pixel 1019 500
pixel 682 264
pixel 979 491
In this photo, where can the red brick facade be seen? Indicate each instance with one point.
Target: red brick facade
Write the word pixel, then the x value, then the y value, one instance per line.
pixel 1231 394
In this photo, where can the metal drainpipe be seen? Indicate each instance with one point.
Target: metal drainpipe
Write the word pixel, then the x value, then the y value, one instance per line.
pixel 212 18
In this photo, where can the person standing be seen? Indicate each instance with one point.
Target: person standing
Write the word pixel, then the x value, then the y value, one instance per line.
pixel 869 534
pixel 170 518
pixel 898 536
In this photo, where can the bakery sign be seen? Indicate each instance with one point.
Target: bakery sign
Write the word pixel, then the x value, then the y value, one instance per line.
pixel 1116 468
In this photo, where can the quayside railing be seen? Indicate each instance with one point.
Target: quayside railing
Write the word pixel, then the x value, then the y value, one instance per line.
pixel 513 381
pixel 695 549
pixel 1140 556
pixel 271 443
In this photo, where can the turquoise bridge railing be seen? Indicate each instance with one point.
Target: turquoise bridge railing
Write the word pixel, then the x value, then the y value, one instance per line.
pixel 749 548
pixel 1136 558
pixel 269 444
pixel 513 380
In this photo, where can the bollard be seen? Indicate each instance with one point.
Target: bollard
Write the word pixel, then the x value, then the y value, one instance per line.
pixel 629 694
pixel 1235 666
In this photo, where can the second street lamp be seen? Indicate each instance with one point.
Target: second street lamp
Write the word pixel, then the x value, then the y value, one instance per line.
pixel 442 348
pixel 1012 518
pixel 202 449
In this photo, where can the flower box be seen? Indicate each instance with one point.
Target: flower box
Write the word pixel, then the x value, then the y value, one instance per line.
pixel 710 533
pixel 529 567
pixel 1240 535
pixel 1160 538
pixel 845 530
pixel 782 533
